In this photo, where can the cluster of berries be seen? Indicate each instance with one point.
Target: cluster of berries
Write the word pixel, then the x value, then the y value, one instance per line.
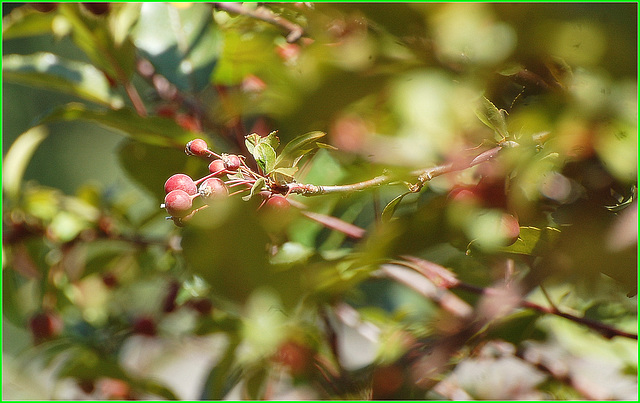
pixel 181 190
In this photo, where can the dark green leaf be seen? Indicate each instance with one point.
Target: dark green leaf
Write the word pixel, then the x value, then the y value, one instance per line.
pixel 223 376
pixel 151 130
pixel 391 207
pixel 46 70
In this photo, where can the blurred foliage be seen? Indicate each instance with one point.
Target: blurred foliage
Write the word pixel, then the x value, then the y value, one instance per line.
pixel 512 278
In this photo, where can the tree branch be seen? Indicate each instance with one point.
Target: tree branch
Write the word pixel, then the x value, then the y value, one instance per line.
pixel 423 176
pixel 266 15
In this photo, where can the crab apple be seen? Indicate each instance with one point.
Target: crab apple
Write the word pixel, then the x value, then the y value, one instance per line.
pixel 386 381
pixel 275 213
pixel 177 203
pixel 296 357
pixel 45 325
pixel 231 162
pixel 201 305
pixel 145 326
pixel 213 188
pixel 277 203
pixel 197 147
pixel 217 166
pixel 180 182
pixel 510 228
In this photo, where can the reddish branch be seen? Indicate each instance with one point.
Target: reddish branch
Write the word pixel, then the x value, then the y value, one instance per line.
pixel 445 280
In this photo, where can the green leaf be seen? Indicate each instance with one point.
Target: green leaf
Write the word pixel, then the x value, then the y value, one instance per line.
pixel 493 117
pixel 265 156
pixel 289 172
pixel 272 139
pixel 298 147
pixel 183 44
pixel 256 188
pixel 49 71
pixel 26 22
pixel 223 376
pixel 533 241
pixel 94 37
pixel 18 157
pixel 151 165
pixel 242 54
pixel 151 130
pixel 391 207
pixel 292 252
pixel 251 141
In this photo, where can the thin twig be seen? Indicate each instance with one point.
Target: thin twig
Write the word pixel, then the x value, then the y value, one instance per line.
pixel 264 14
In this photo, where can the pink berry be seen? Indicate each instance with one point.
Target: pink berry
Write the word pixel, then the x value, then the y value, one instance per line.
pixel 213 188
pixel 231 162
pixel 180 182
pixel 197 147
pixel 217 166
pixel 177 203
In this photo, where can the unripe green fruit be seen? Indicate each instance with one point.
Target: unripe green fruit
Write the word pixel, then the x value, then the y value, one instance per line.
pixel 197 147
pixel 213 188
pixel 177 203
pixel 180 182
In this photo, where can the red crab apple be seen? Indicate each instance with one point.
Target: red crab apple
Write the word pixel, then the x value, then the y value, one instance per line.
pixel 177 203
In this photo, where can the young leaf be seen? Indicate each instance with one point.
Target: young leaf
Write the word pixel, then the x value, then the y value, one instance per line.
pixel 25 22
pixel 257 186
pixel 272 140
pixel 265 156
pixel 493 117
pixel 251 141
pixel 391 207
pixel 286 171
pixel 298 147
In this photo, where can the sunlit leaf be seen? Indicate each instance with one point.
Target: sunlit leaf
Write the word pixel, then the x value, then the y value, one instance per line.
pixel 183 44
pixel 493 117
pixel 533 241
pixel 298 147
pixel 265 156
pixel 26 22
pixel 255 189
pixel 46 70
pixel 18 157
pixel 93 36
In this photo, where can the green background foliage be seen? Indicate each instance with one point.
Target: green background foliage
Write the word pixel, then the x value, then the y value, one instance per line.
pixel 513 277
